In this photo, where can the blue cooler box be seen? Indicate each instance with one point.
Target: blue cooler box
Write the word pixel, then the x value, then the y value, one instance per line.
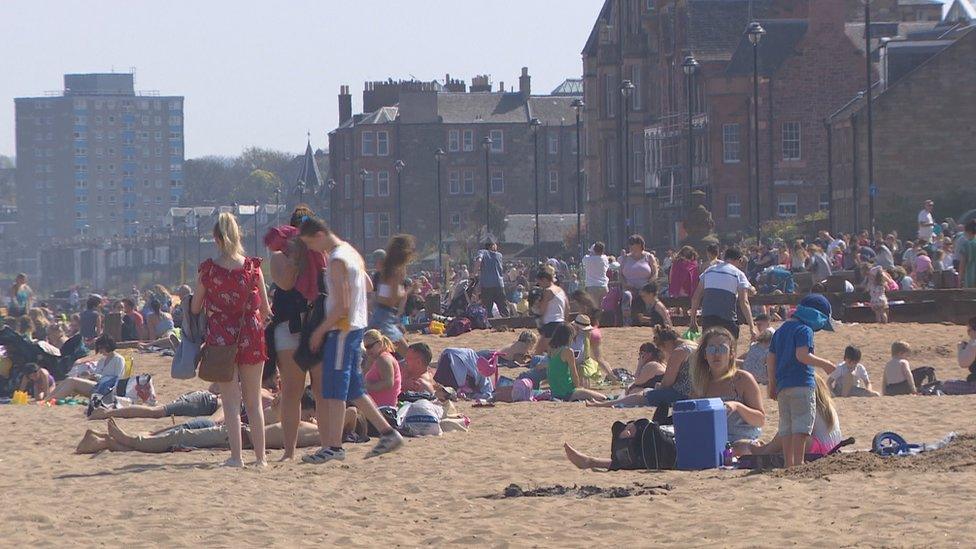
pixel 700 433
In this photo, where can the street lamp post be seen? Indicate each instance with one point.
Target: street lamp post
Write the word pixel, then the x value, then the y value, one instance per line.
pixel 535 124
pixel 578 105
pixel 278 205
pixel 256 226
pixel 438 156
pixel 755 31
pixel 398 166
pixel 331 185
pixel 362 179
pixel 872 190
pixel 486 145
pixel 690 67
pixel 626 88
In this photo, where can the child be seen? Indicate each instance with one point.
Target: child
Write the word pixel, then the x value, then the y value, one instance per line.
pixel 657 313
pixel 40 380
pixel 792 382
pixel 754 360
pixel 564 377
pixel 877 282
pixel 897 378
pixel 851 377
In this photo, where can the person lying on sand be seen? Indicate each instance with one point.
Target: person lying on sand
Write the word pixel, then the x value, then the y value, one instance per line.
pixel 715 375
pixel 193 404
pixel 519 352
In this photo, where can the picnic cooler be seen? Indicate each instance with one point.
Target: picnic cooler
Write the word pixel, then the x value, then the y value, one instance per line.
pixel 700 433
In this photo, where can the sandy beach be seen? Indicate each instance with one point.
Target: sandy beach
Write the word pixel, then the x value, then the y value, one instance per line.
pixel 446 490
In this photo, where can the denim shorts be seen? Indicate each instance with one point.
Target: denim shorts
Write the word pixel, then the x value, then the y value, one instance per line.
pixel 386 320
pixel 797 410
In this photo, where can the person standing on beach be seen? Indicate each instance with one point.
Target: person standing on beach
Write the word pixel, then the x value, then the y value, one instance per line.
pixel 340 335
pixel 967 256
pixel 926 225
pixel 595 266
pixel 488 265
pixel 721 289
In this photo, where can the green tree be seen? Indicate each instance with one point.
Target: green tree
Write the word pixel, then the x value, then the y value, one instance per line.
pixel 259 185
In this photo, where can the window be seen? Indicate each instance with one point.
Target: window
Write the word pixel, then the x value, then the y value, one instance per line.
pixel 791 140
pixel 468 187
pixel 786 205
pixel 553 143
pixel 453 140
pixel 497 182
pixel 174 106
pixel 636 101
pixel 609 93
pixel 553 182
pixel 383 184
pixel 453 182
pixel 346 187
pixel 455 220
pixel 382 143
pixel 730 143
pixel 824 203
pixel 468 140
pixel 733 205
pixel 368 189
pixel 497 141
pixel 383 224
pixel 369 143
pixel 369 224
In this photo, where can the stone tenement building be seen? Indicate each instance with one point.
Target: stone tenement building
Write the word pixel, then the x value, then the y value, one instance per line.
pixel 111 158
pixel 409 120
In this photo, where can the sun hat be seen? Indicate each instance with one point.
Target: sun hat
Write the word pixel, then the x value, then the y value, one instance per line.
pixel 583 323
pixel 819 304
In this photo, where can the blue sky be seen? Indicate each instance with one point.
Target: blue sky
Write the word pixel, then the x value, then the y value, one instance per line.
pixel 264 73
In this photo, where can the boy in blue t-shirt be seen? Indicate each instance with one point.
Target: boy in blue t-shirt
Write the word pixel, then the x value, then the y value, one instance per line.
pixel 790 364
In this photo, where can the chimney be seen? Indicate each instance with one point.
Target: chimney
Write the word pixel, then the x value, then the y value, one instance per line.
pixel 525 83
pixel 501 87
pixel 345 104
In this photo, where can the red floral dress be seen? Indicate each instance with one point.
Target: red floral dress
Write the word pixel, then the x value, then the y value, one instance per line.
pixel 232 304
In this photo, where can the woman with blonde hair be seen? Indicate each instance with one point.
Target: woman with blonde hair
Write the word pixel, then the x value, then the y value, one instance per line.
pixel 826 428
pixel 231 289
pixel 390 293
pixel 381 371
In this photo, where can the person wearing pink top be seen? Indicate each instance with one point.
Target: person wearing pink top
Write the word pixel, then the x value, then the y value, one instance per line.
pixel 923 268
pixel 684 273
pixel 382 377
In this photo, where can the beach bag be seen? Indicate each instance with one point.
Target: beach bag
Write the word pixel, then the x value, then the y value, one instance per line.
pixel 421 418
pixel 218 362
pixel 478 316
pixel 102 395
pixel 140 389
pixel 641 444
pixel 459 325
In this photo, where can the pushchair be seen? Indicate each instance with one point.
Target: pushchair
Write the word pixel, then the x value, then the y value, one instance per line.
pixel 460 297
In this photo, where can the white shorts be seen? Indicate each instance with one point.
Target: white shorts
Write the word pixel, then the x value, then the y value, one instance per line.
pixel 284 339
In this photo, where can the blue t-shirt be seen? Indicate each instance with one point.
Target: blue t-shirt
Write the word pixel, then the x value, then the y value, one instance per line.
pixel 491 269
pixel 790 372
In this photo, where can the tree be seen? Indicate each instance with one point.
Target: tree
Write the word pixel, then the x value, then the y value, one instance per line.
pixel 496 214
pixel 260 185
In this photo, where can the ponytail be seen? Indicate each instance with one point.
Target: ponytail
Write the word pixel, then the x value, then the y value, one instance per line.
pixel 227 235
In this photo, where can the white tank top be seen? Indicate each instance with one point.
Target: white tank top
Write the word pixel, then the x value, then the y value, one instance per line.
pixel 556 308
pixel 356 273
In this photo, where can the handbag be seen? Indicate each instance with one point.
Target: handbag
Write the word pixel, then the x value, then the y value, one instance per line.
pixel 218 363
pixel 304 356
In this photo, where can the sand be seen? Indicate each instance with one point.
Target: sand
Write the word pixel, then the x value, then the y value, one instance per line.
pixel 449 490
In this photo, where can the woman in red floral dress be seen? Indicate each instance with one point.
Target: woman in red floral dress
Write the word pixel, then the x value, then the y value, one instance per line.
pixel 231 289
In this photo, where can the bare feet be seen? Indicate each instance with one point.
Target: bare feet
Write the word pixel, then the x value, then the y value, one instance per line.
pixel 579 460
pixel 115 431
pixel 92 443
pixel 598 404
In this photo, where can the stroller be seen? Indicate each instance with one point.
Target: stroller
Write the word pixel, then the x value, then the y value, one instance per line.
pixel 460 297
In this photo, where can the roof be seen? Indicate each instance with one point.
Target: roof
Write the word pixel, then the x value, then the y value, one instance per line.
pixel 382 115
pixel 520 228
pixel 920 3
pixel 570 86
pixel 602 19
pixel 855 31
pixel 464 108
pixel 778 44
pixel 552 110
pixel 308 174
pixel 717 26
pixel 961 10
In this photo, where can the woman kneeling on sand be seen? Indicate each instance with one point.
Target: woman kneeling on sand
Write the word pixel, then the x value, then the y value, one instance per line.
pixel 714 375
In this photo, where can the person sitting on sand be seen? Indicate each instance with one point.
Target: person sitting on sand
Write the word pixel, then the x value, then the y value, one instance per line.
pixel 650 368
pixel 518 353
pixel 193 404
pixel 415 369
pixel 585 305
pixel 851 377
pixel 112 364
pixel 591 370
pixel 826 429
pixel 381 372
pixel 966 351
pixel 655 312
pixel 676 383
pixel 714 375
pixel 39 380
pixel 754 360
pixel 564 377
pixel 897 378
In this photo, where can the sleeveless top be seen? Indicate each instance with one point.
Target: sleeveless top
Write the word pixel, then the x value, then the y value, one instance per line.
pixel 386 397
pixel 636 272
pixel 656 318
pixel 682 383
pixel 356 277
pixel 738 428
pixel 556 308
pixel 560 380
pixel 231 303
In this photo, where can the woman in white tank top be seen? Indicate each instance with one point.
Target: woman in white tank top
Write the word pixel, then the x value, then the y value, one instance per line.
pixel 552 308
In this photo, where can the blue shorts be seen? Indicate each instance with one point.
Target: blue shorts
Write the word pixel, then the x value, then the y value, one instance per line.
pixel 341 378
pixel 385 319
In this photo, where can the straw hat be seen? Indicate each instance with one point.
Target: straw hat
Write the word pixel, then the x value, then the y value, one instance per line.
pixel 583 323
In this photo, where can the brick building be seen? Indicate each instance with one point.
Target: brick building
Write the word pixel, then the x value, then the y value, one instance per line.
pixel 409 120
pixel 924 124
pixel 808 67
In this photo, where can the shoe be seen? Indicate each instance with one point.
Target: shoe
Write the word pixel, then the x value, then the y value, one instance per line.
pixel 325 455
pixel 388 443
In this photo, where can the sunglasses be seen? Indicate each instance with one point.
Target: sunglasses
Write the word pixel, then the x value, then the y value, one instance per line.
pixel 372 344
pixel 720 349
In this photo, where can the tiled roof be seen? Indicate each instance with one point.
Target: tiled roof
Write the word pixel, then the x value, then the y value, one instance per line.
pixel 464 108
pixel 717 26
pixel 779 43
pixel 552 110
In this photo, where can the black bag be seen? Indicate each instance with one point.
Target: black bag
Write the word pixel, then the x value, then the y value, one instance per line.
pixel 304 357
pixel 641 444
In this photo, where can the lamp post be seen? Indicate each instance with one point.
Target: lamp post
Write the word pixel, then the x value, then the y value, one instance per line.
pixel 278 204
pixel 578 106
pixel 438 156
pixel 331 184
pixel 256 226
pixel 755 32
pixel 362 179
pixel 486 145
pixel 690 67
pixel 626 88
pixel 535 124
pixel 398 166
pixel 872 190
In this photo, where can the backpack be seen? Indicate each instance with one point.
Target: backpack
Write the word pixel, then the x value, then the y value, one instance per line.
pixel 478 316
pixel 459 325
pixel 641 444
